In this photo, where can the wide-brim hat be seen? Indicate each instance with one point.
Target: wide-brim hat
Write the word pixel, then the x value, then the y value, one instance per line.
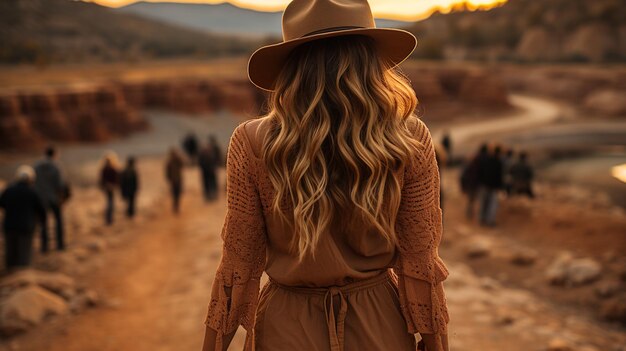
pixel 308 20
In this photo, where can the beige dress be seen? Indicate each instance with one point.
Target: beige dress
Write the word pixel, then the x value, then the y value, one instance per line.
pixel 355 293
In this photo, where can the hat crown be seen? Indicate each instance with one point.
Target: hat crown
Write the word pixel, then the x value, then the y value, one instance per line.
pixel 306 17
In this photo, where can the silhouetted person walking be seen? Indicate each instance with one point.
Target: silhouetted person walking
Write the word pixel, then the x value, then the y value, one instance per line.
pixel 217 150
pixel 129 186
pixel 109 181
pixel 446 142
pixel 522 176
pixel 50 186
pixel 507 163
pixel 490 175
pixel 208 163
pixel 174 174
pixel 191 146
pixel 23 210
pixel 470 182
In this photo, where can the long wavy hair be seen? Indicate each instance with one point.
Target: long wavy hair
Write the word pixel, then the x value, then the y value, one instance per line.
pixel 338 136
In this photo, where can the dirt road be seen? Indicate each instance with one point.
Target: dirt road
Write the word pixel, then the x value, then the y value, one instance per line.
pixel 155 277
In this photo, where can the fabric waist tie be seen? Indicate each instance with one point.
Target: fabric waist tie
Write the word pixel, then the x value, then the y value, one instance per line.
pixel 336 324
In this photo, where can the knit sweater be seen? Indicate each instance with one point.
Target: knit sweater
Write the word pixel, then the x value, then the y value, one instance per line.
pixel 252 244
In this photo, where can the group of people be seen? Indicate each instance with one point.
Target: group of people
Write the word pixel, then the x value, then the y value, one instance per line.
pixel 41 190
pixel 209 158
pixel 491 172
pixel 112 179
pixel 37 191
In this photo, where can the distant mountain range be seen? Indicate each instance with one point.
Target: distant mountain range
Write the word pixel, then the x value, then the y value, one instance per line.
pixel 528 31
pixel 50 31
pixel 221 18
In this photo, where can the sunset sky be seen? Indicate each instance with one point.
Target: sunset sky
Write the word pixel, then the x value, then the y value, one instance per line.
pixel 396 9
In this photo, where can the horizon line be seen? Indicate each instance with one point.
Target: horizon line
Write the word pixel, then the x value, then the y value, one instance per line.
pixel 469 5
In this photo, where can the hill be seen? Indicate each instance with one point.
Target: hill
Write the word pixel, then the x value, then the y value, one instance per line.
pixel 221 18
pixel 529 30
pixel 42 31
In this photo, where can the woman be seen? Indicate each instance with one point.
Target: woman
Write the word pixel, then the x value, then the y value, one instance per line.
pixel 174 174
pixel 109 180
pixel 334 194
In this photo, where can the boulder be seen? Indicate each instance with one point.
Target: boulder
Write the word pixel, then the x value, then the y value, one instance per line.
pixel 57 283
pixel 86 298
pixel 523 257
pixel 557 271
pixel 478 247
pixel 583 271
pixel 27 307
pixel 565 270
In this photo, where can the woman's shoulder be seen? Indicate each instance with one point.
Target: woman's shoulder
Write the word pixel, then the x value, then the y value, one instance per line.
pixel 252 133
pixel 418 129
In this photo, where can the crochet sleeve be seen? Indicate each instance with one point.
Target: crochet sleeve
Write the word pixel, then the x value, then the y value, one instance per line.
pixel 236 286
pixel 419 269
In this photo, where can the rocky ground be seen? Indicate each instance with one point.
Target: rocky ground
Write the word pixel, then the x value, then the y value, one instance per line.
pixel 144 284
pixel 549 276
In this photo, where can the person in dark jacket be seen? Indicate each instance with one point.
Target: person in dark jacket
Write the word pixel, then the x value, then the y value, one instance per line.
pixel 174 175
pixel 217 151
pixel 208 169
pixel 190 145
pixel 109 181
pixel 522 176
pixel 491 180
pixel 129 186
pixel 23 211
pixel 470 184
pixel 50 186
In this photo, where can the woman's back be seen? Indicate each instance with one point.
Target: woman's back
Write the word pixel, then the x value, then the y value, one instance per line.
pixel 257 240
pixel 334 194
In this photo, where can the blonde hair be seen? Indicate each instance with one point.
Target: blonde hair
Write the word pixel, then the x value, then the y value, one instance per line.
pixel 338 136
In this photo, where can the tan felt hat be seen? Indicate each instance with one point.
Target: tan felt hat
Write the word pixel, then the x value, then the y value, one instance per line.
pixel 308 20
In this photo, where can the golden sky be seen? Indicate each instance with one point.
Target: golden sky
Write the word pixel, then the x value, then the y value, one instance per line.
pixel 396 9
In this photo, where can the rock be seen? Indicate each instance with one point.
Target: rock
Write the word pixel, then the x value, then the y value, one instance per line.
pixel 558 345
pixel 565 270
pixel 81 254
pixel 583 271
pixel 96 245
pixel 86 298
pixel 28 307
pixel 614 310
pixel 57 283
pixel 524 257
pixel 478 247
pixel 607 289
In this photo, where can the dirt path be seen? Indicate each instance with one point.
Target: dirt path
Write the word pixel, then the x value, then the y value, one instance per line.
pixel 155 281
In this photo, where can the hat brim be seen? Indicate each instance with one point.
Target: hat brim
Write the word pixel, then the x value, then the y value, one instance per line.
pixel 265 64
